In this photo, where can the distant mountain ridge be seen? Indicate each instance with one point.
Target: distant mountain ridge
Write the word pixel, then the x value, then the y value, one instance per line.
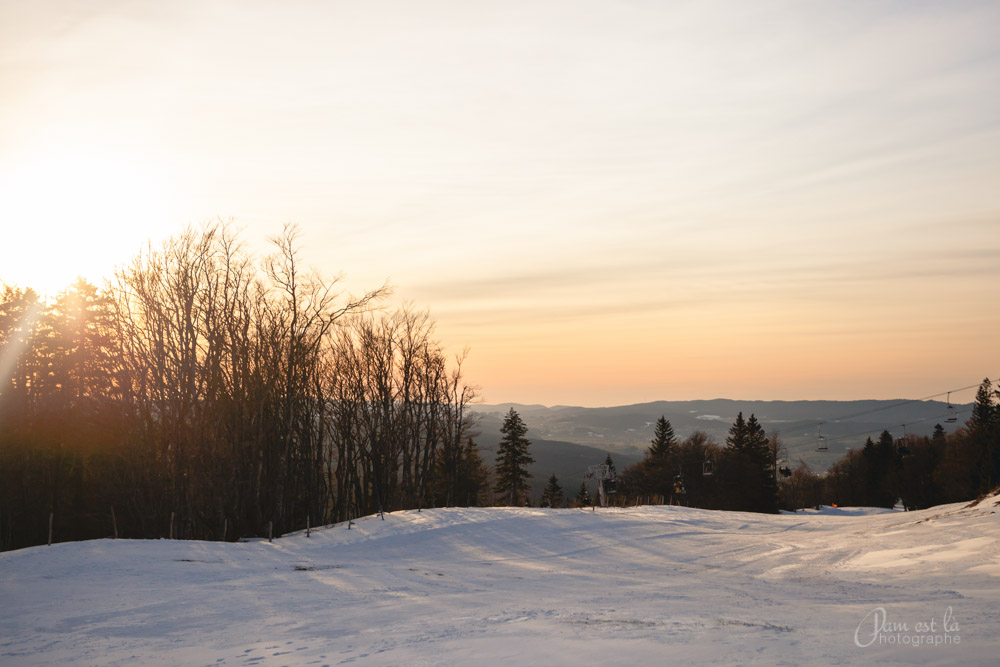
pixel 625 431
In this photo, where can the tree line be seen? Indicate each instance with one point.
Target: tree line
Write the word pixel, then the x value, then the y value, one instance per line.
pixel 205 393
pixel 230 393
pixel 750 473
pixel 698 472
pixel 919 471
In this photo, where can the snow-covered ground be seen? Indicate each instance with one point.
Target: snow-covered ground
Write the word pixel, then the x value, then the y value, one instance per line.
pixel 636 586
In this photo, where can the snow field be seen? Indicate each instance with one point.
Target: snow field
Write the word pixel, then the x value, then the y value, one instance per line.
pixel 497 586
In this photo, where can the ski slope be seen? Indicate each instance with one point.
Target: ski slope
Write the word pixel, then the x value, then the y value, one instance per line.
pixel 499 586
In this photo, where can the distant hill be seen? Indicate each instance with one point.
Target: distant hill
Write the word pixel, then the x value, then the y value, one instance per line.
pixel 625 431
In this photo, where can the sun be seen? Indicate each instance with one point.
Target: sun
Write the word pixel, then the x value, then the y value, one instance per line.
pixel 77 210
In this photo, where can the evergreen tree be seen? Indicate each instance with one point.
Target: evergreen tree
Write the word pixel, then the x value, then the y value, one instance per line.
pixel 984 412
pixel 736 440
pixel 553 493
pixel 467 479
pixel 885 443
pixel 984 434
pixel 756 440
pixel 766 458
pixel 20 312
pixel 77 344
pixel 879 460
pixel 663 443
pixel 583 496
pixel 472 474
pixel 512 460
pixel 755 474
pixel 611 465
pixel 654 474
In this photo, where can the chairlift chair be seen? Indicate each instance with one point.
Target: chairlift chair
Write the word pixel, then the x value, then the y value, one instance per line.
pixel 708 467
pixel 821 445
pixel 952 415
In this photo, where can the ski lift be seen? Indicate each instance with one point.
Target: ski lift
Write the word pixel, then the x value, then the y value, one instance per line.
pixel 952 415
pixel 708 467
pixel 821 445
pixel 901 444
pixel 679 485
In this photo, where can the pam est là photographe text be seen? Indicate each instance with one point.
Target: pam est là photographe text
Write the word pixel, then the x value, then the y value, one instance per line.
pixel 878 629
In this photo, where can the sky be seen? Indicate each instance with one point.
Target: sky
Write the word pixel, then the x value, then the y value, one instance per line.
pixel 606 201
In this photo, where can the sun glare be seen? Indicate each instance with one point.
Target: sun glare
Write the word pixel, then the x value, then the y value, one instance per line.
pixel 76 211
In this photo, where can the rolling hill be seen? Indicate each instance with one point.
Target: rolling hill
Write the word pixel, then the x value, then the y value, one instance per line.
pixel 625 431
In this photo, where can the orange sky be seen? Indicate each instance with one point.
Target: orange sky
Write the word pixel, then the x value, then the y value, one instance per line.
pixel 607 202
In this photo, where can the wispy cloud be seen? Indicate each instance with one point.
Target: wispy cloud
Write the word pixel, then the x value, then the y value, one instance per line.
pixel 544 169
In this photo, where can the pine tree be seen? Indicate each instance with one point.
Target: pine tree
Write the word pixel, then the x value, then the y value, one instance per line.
pixel 553 493
pixel 655 473
pixel 472 474
pixel 460 480
pixel 984 434
pixel 736 440
pixel 512 459
pixel 756 443
pixel 663 443
pixel 583 496
pixel 77 343
pixel 20 367
pixel 763 457
pixel 755 471
pixel 984 412
pixel 879 460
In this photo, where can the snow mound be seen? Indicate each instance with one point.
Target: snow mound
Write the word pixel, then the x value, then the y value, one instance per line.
pixel 643 585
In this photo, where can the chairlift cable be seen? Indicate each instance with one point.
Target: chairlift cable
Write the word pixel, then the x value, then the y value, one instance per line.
pixel 798 425
pixel 886 428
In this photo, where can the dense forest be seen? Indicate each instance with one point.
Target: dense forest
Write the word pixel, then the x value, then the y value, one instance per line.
pixel 205 394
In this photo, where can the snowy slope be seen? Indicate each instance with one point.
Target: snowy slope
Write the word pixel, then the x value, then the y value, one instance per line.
pixel 651 585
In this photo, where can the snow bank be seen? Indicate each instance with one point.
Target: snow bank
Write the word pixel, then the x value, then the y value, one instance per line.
pixel 647 585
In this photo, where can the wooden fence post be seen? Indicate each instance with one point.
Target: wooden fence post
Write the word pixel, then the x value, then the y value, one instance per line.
pixel 270 531
pixel 307 525
pixel 171 525
pixel 51 517
pixel 114 521
pixel 225 528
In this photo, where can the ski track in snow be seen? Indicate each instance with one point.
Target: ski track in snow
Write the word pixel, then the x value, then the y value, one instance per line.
pixel 644 585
